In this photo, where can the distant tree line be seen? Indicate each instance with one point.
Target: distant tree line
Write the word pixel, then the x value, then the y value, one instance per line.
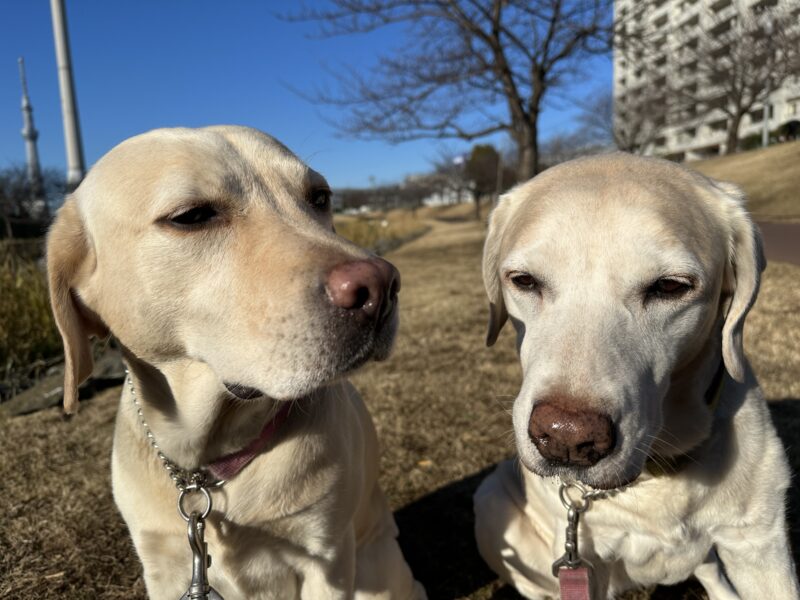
pixel 24 211
pixel 476 176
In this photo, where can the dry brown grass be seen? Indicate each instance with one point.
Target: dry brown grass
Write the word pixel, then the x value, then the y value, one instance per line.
pixel 769 176
pixel 381 231
pixel 440 408
pixel 27 330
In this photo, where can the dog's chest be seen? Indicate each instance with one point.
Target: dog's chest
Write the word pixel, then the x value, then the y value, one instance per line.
pixel 649 554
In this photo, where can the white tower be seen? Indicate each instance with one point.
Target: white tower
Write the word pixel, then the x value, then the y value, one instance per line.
pixel 29 134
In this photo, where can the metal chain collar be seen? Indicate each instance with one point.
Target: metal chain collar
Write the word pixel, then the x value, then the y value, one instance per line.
pixel 185 481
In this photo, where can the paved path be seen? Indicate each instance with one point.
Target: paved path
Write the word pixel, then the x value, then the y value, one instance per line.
pixel 781 241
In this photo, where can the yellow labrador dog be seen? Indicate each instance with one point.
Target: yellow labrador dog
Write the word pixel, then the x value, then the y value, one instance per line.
pixel 210 255
pixel 628 280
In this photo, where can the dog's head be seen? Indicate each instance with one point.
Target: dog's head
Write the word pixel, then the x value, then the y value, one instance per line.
pixel 618 274
pixel 216 245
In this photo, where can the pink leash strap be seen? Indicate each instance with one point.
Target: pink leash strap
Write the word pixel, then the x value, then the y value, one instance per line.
pixel 574 583
pixel 231 465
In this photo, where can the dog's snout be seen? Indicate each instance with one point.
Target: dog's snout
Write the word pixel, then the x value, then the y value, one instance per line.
pixel 571 436
pixel 370 286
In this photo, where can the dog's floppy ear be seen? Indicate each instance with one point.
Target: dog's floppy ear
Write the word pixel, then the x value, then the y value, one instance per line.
pixel 70 257
pixel 742 276
pixel 491 269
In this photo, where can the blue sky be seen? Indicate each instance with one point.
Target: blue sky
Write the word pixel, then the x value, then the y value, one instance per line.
pixel 156 63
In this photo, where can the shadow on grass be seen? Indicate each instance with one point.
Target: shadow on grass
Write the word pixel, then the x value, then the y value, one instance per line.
pixel 442 553
pixel 786 416
pixel 443 556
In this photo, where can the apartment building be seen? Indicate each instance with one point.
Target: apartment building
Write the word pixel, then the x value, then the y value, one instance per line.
pixel 671 27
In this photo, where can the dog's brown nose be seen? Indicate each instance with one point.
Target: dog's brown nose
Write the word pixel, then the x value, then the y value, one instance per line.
pixel 368 285
pixel 575 437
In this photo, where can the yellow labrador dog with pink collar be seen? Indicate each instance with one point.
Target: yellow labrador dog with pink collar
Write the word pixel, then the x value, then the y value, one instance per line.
pixel 210 255
pixel 628 281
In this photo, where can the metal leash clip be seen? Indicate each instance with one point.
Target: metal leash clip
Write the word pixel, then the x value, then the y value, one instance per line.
pixel 572 571
pixel 199 589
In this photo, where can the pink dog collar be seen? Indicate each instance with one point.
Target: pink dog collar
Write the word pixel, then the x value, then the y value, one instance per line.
pixel 231 465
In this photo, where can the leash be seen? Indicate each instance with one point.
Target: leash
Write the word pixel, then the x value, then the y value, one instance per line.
pixel 573 572
pixel 198 482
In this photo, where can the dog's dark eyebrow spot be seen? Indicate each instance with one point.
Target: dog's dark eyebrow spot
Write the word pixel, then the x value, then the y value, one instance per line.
pixel 232 185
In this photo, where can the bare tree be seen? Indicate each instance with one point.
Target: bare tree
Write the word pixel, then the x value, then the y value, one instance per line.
pixel 639 116
pixel 449 169
pixel 472 68
pixel 737 61
pixel 596 118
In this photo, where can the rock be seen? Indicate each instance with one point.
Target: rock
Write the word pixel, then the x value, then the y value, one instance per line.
pixel 109 371
pixel 48 392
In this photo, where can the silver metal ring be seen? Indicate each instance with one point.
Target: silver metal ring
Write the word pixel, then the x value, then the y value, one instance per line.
pixel 189 490
pixel 568 502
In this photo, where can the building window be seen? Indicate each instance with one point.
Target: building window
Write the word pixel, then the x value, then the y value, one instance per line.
pixel 722 27
pixel 691 22
pixel 688 69
pixel 764 4
pixel 721 50
pixel 720 5
pixel 720 125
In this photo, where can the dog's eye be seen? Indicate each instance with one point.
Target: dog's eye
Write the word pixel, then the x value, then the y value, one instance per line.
pixel 194 217
pixel 320 198
pixel 524 281
pixel 668 287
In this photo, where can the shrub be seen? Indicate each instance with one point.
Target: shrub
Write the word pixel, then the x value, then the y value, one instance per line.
pixel 27 330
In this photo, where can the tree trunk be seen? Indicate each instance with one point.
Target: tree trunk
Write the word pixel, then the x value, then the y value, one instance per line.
pixel 477 198
pixel 733 134
pixel 528 146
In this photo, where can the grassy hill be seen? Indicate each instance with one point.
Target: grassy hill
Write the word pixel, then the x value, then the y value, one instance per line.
pixel 769 176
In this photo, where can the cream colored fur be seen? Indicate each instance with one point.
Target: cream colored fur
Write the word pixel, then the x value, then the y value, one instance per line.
pixel 596 233
pixel 239 301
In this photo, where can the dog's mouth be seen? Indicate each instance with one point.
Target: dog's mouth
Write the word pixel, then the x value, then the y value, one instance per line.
pixel 600 477
pixel 350 345
pixel 243 392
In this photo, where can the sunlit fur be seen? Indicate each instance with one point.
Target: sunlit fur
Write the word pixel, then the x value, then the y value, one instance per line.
pixel 596 233
pixel 239 300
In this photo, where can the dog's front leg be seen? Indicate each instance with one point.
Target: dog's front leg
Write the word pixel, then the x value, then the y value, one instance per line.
pixel 758 561
pixel 331 577
pixel 710 574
